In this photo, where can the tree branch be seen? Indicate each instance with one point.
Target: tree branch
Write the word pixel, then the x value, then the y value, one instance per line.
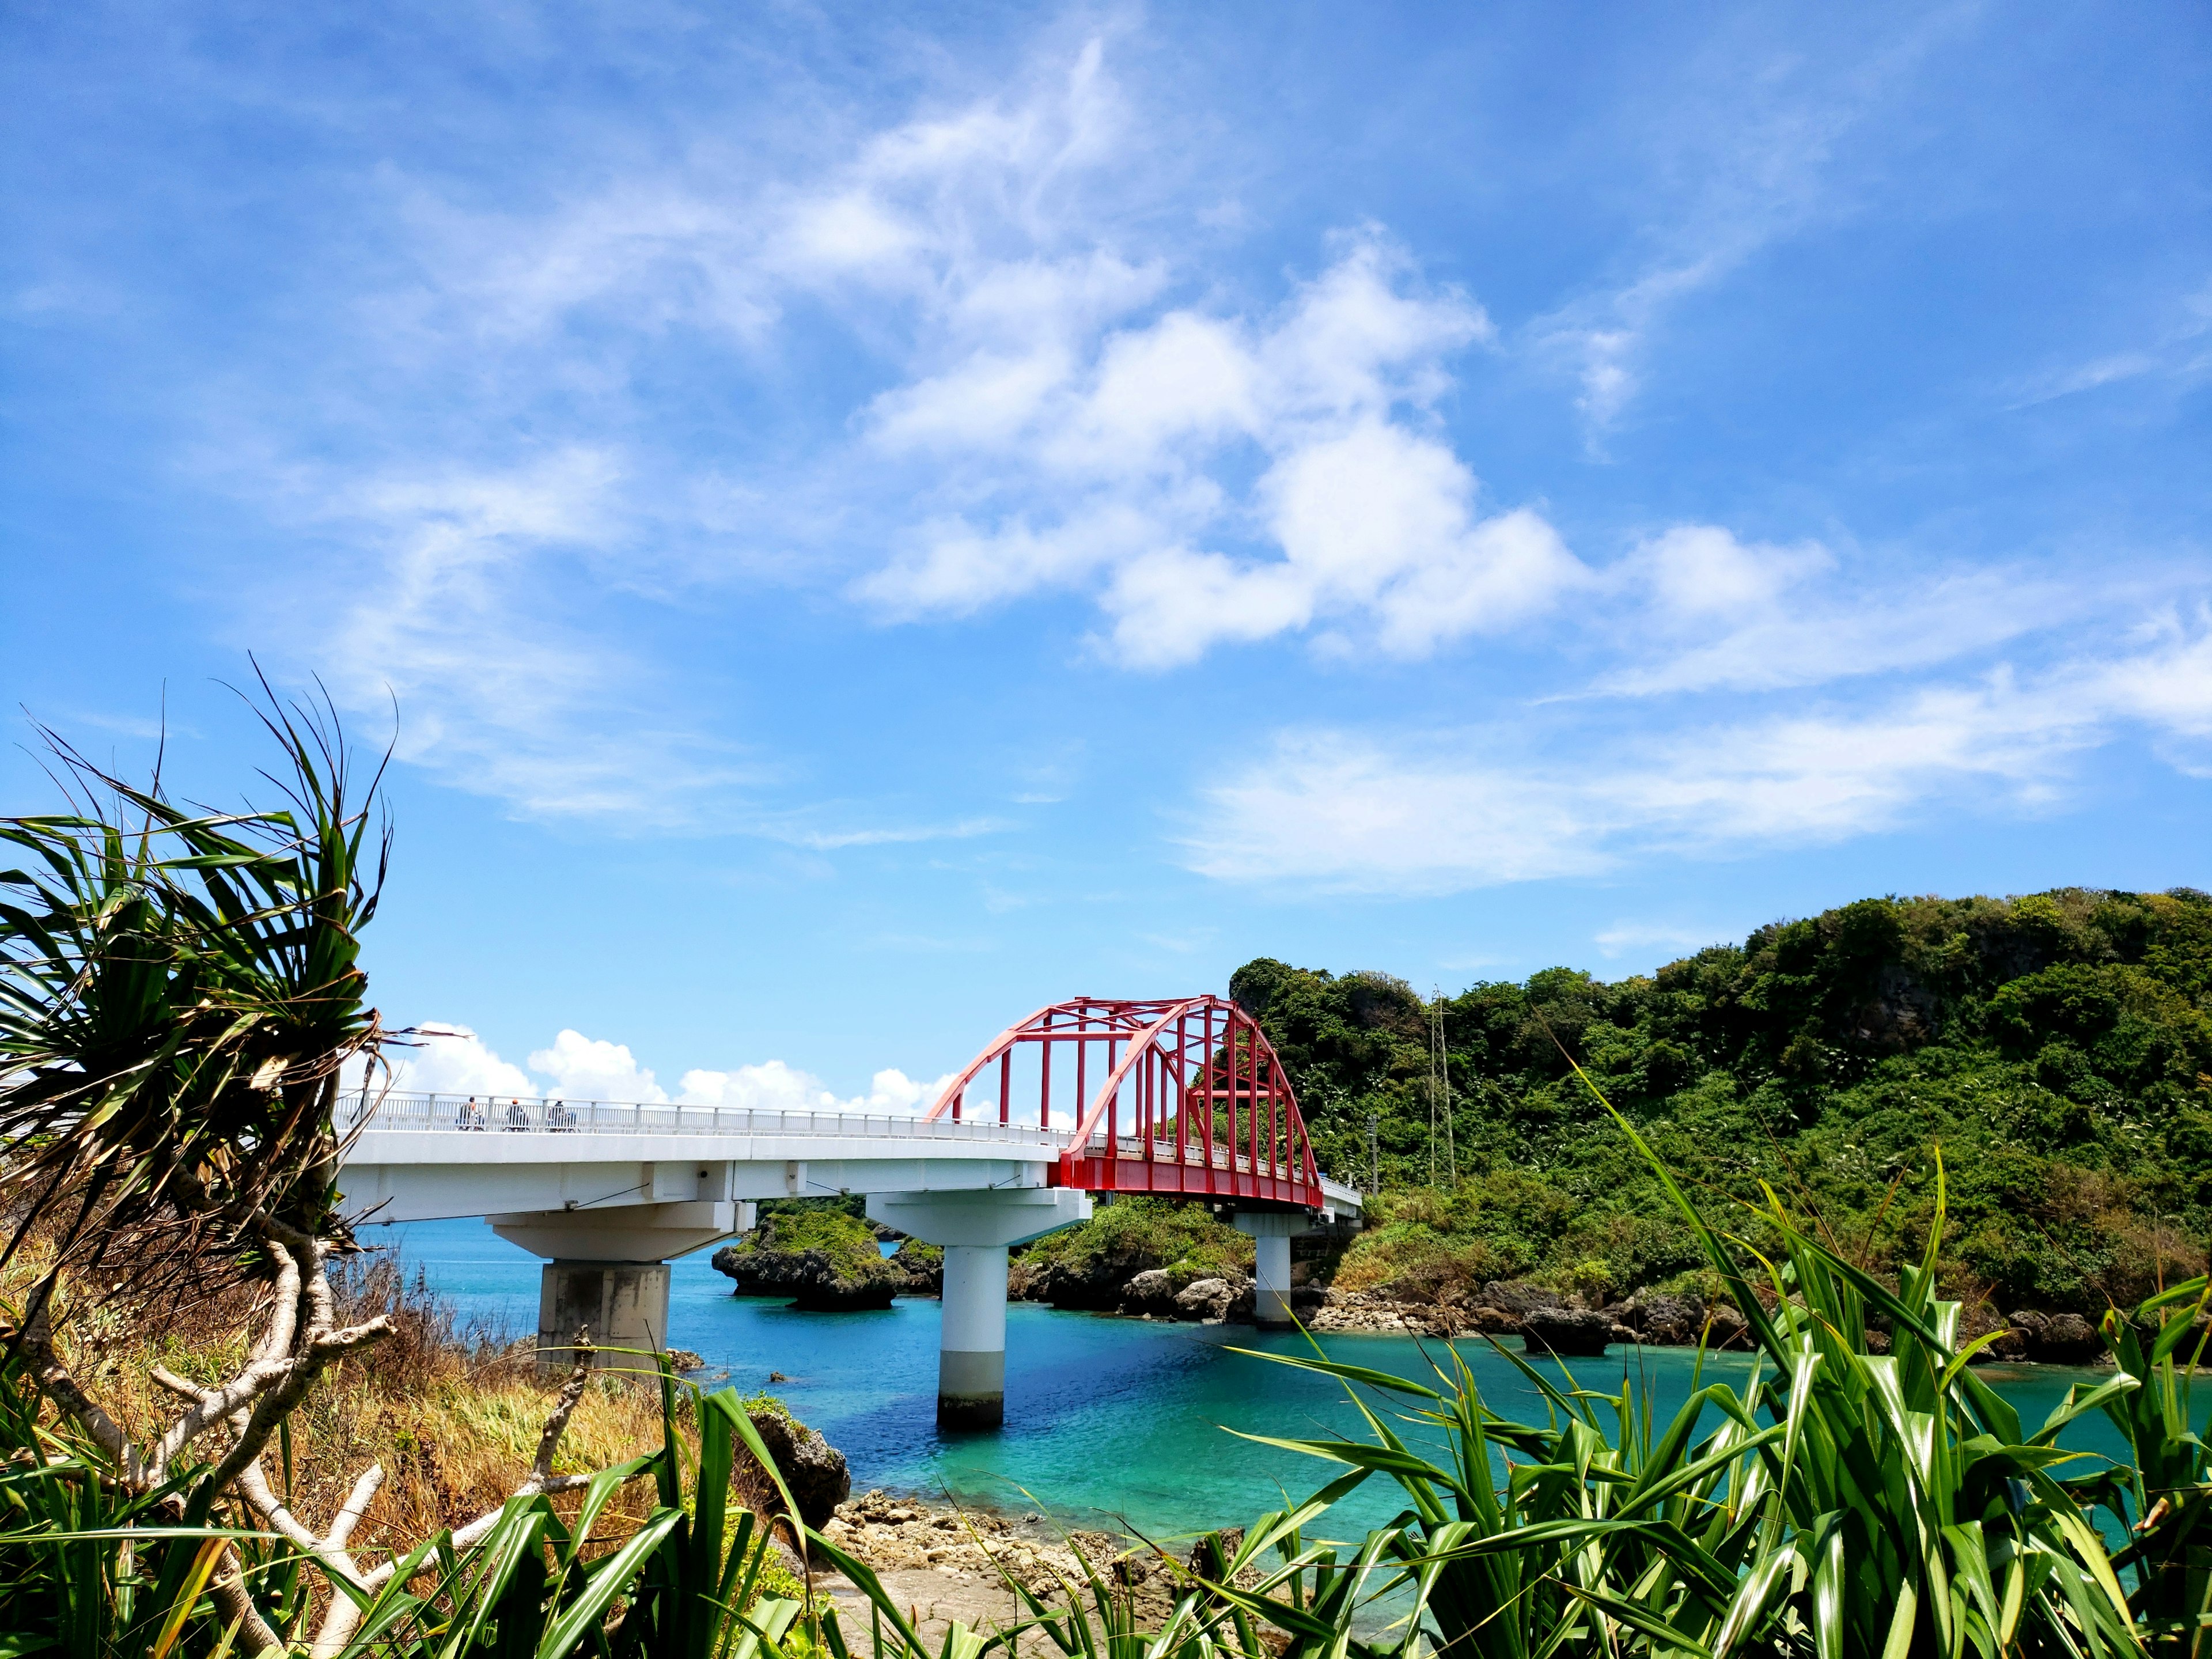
pixel 235 1607
pixel 55 1382
pixel 572 1392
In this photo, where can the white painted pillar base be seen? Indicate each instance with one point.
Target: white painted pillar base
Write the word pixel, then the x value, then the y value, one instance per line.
pixel 623 1304
pixel 1271 1234
pixel 1271 1303
pixel 971 1359
pixel 975 1229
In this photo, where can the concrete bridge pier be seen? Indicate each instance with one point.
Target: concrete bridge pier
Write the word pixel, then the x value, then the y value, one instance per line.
pixel 1271 1232
pixel 608 1272
pixel 975 1230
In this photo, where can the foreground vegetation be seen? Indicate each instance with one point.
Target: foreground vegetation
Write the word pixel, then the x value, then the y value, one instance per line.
pixel 2058 1047
pixel 1837 1503
pixel 179 989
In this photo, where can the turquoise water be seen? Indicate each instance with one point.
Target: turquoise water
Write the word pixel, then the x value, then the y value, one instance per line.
pixel 1106 1418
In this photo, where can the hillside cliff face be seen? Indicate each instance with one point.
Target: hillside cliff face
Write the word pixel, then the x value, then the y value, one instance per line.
pixel 2055 1049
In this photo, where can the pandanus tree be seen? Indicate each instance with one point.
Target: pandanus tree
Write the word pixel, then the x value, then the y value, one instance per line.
pixel 181 989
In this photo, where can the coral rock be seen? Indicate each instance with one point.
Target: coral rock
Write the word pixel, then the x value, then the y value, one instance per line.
pixel 813 1468
pixel 1574 1331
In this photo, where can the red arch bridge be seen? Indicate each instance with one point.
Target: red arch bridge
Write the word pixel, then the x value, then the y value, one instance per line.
pixel 1176 1097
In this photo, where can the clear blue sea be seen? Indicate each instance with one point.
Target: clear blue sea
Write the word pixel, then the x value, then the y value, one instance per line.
pixel 1107 1419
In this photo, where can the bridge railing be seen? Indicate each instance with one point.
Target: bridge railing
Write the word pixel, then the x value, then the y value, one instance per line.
pixel 523 1114
pixel 1195 1154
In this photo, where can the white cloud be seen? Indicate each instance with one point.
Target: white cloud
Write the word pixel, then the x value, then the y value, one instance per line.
pixel 1062 406
pixel 1642 935
pixel 453 1059
pixel 887 835
pixel 1365 517
pixel 499 693
pixel 770 1085
pixel 2179 355
pixel 1696 609
pixel 1745 156
pixel 1348 813
pixel 1064 397
pixel 1460 811
pixel 957 568
pixel 773 1085
pixel 1698 572
pixel 578 1067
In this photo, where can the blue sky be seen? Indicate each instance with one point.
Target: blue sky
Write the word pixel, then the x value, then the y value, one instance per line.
pixel 873 526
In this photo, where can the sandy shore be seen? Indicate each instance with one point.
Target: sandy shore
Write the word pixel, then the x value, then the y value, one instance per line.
pixel 942 1564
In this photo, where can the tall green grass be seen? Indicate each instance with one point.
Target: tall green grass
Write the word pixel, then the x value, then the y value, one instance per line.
pixel 1835 1502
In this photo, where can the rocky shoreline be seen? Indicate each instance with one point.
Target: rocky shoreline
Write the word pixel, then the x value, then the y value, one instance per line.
pixel 948 1563
pixel 1547 1321
pixel 852 1274
pixel 1550 1323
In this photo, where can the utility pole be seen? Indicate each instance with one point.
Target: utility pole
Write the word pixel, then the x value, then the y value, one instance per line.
pixel 1432 1109
pixel 1440 1100
pixel 1451 1129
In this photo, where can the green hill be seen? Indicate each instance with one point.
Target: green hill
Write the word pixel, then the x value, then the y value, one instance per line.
pixel 2057 1049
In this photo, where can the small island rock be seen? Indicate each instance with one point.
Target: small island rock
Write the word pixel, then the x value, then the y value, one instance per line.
pixel 823 1260
pixel 1582 1331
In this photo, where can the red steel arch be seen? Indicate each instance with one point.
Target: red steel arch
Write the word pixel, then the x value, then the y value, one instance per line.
pixel 1181 1096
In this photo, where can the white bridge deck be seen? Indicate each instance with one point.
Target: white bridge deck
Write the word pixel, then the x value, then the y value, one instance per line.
pixel 420 1157
pixel 607 1192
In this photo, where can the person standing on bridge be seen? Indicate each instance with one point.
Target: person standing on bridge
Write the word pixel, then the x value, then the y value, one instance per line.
pixel 518 1115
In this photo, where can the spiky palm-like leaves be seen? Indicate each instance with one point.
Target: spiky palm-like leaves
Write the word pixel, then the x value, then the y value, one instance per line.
pixel 2168 1487
pixel 178 989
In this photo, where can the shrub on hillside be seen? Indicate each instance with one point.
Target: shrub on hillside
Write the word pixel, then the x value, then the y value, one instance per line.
pixel 2057 1047
pixel 1086 1265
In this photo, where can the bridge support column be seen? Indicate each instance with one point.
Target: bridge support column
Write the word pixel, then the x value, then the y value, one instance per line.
pixel 976 1229
pixel 1271 1252
pixel 623 1304
pixel 971 1355
pixel 608 1272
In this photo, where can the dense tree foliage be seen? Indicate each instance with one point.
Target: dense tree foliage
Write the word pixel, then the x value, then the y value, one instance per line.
pixel 2057 1049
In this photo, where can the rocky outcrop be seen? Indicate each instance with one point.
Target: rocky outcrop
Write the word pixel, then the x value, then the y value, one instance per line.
pixel 1150 1294
pixel 1567 1331
pixel 821 1261
pixel 894 1535
pixel 2062 1338
pixel 813 1468
pixel 1367 1313
pixel 1730 1329
pixel 1663 1320
pixel 1215 1301
pixel 923 1265
pixel 1092 1285
pixel 1516 1298
pixel 811 1278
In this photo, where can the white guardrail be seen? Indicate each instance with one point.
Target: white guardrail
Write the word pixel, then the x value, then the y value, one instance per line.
pixel 529 1114
pixel 518 1114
